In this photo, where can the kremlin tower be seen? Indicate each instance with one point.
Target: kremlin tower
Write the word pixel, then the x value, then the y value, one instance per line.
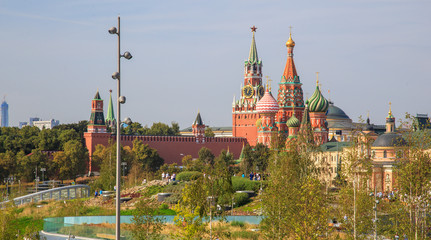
pixel 198 128
pixel 290 95
pixel 244 114
pixel 267 107
pixel 317 106
pixel 97 121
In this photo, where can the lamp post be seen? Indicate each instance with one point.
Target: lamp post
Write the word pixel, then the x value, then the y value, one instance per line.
pixel 120 100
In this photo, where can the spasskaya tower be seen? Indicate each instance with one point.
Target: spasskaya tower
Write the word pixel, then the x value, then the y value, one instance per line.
pixel 244 114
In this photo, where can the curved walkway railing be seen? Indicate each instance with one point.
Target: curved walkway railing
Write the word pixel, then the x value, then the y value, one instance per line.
pixel 60 193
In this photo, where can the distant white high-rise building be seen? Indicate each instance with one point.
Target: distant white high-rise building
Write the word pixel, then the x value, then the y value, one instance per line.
pixel 46 124
pixel 4 114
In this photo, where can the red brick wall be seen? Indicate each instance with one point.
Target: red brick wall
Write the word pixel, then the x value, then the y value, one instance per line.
pixel 171 148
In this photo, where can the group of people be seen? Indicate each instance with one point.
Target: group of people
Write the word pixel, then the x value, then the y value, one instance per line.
pixel 169 178
pixel 98 193
pixel 253 176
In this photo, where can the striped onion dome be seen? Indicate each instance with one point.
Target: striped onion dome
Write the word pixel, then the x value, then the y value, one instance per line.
pixel 267 104
pixel 317 103
pixel 293 122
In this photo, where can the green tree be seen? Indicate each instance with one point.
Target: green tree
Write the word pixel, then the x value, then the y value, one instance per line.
pixel 7 228
pixel 192 210
pixel 27 164
pixel 107 158
pixel 146 224
pixel 301 211
pixel 72 161
pixel 206 157
pixel 209 132
pixel 148 157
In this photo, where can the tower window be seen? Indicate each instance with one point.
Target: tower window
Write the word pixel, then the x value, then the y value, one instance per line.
pixel 385 154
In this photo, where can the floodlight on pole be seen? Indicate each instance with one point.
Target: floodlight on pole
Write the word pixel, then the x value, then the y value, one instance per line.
pixel 120 99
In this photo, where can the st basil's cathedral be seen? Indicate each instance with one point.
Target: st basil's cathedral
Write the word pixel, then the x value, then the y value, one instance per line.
pixel 257 115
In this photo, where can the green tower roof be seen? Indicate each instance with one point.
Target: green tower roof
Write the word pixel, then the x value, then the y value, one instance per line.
pixel 198 120
pixel 97 96
pixel 110 118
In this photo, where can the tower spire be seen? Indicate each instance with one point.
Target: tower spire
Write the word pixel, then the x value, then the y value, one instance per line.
pixel 110 117
pixel 252 56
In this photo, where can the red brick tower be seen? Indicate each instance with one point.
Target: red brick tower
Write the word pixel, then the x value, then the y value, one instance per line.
pixel 96 129
pixel 317 106
pixel 199 129
pixel 290 95
pixel 244 114
pixel 97 121
pixel 267 107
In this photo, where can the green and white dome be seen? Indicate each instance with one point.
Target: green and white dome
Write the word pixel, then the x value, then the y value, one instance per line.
pixel 317 103
pixel 293 122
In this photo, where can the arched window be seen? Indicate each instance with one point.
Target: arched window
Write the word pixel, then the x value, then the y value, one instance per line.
pixel 385 154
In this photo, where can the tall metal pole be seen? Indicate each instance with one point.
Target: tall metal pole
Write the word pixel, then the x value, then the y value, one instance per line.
pixel 354 207
pixel 375 212
pixel 118 183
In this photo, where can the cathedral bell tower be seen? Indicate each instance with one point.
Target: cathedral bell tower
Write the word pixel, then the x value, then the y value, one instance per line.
pixel 290 95
pixel 244 114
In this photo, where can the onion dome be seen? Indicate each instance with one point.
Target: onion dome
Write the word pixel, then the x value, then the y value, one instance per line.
pixel 290 42
pixel 317 103
pixel 267 104
pixel 390 139
pixel 293 122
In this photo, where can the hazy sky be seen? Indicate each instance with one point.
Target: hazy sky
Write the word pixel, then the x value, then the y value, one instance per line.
pixel 189 55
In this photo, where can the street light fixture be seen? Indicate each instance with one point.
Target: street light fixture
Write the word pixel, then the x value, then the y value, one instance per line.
pixel 120 100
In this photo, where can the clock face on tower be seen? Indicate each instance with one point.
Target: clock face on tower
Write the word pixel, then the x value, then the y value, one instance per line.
pixel 248 91
pixel 261 91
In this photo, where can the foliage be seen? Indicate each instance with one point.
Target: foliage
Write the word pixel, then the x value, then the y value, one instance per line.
pixel 148 157
pixel 209 132
pixel 192 211
pixel 245 184
pixel 188 175
pixel 106 157
pixel 152 190
pixel 206 157
pixel 7 228
pixel 300 212
pixel 28 164
pixel 146 225
pixel 237 224
pixel 72 161
pixel 157 129
pixel 255 159
pixel 241 199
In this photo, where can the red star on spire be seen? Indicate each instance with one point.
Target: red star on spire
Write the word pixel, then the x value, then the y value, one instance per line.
pixel 253 29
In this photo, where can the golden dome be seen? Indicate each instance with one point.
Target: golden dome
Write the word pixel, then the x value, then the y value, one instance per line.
pixel 290 42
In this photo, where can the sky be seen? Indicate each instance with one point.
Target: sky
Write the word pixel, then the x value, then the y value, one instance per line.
pixel 188 56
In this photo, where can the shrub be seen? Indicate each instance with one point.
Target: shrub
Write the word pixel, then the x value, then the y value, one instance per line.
pixel 150 191
pixel 237 224
pixel 245 235
pixel 188 175
pixel 241 199
pixel 244 184
pixel 163 206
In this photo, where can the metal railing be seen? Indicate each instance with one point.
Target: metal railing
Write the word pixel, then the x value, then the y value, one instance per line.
pixel 60 193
